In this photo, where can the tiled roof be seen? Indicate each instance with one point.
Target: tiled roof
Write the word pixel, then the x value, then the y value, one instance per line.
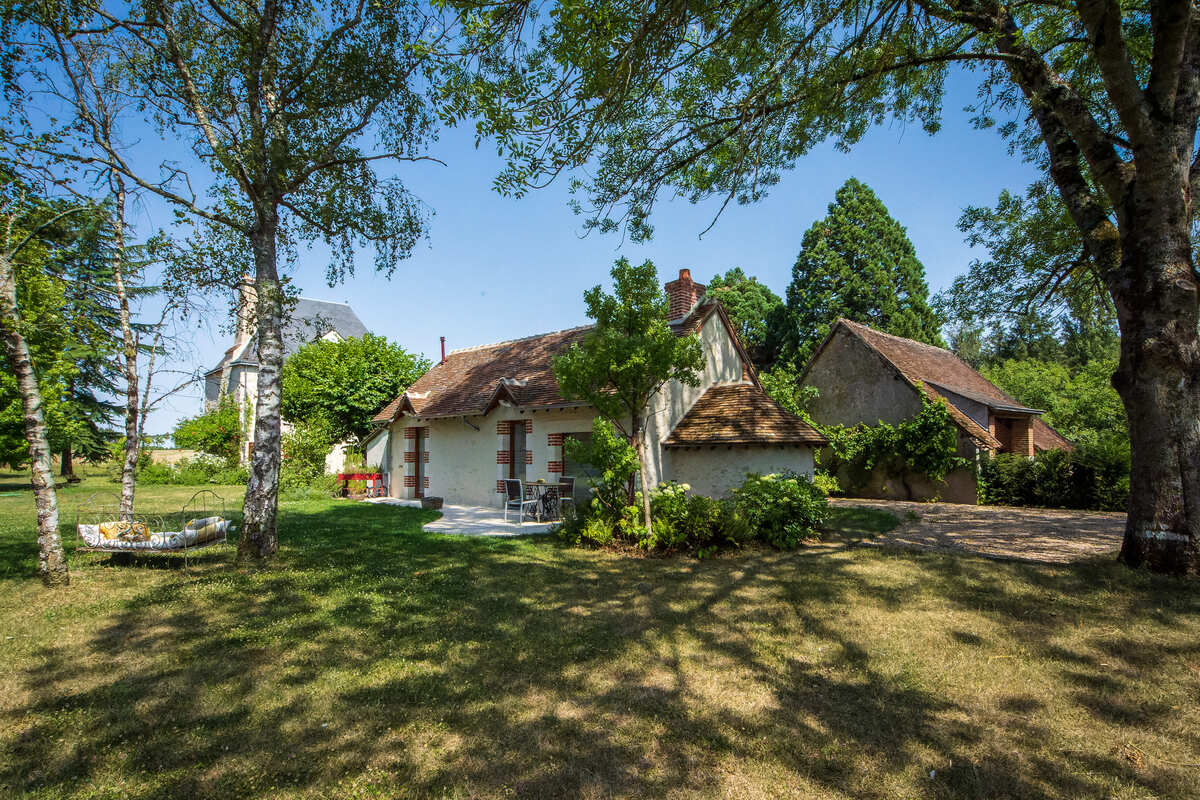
pixel 741 414
pixel 1046 438
pixel 934 367
pixel 469 380
pixel 307 321
pixel 388 413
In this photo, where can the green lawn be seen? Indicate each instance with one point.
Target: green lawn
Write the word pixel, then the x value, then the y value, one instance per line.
pixel 379 661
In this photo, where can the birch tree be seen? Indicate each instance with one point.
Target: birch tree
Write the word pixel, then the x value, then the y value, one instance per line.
pixel 19 227
pixel 289 107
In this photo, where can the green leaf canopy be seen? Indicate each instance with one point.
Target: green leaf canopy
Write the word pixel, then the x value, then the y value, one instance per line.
pixel 340 386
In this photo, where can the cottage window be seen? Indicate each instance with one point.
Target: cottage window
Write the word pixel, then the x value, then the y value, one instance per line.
pixel 579 470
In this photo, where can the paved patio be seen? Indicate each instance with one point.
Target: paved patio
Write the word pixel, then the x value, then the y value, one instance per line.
pixel 472 520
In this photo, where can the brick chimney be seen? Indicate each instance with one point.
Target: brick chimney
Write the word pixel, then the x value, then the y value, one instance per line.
pixel 682 294
pixel 247 310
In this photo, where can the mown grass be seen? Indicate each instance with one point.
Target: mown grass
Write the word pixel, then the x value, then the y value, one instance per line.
pixel 854 522
pixel 378 661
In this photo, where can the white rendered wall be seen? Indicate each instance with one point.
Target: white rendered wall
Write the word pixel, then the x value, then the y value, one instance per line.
pixel 722 364
pixel 335 459
pixel 462 466
pixel 377 451
pixel 717 471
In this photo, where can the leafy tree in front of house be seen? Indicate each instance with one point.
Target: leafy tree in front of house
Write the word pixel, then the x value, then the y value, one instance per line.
pixel 628 356
pixel 342 385
pixel 757 313
pixel 857 263
pixel 218 431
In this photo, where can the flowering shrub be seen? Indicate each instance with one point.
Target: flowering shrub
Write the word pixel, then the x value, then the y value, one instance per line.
pixel 782 508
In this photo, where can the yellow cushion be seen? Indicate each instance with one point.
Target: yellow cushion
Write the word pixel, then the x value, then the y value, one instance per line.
pixel 125 531
pixel 206 528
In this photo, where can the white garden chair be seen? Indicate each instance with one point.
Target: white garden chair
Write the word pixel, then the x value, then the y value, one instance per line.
pixel 514 499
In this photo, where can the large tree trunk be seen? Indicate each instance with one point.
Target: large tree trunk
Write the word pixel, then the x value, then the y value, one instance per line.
pixel 259 539
pixel 52 563
pixel 129 350
pixel 1157 292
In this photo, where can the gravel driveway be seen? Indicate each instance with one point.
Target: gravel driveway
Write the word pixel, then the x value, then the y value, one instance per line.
pixel 1027 534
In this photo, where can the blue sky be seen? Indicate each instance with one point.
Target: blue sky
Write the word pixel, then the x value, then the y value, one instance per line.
pixel 495 268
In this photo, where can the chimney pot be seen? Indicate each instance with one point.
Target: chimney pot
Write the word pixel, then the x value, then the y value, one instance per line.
pixel 443 349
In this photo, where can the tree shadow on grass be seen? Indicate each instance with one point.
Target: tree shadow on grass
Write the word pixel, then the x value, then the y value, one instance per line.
pixel 376 657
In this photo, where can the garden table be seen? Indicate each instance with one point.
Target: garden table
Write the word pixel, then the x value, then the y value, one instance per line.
pixel 546 494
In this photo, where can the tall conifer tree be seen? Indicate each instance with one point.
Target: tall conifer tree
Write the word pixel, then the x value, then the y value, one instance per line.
pixel 857 263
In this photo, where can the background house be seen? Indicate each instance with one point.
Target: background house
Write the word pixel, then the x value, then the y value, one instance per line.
pixel 485 414
pixel 864 375
pixel 237 373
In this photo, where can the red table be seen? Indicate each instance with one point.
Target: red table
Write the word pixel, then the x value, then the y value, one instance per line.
pixel 373 480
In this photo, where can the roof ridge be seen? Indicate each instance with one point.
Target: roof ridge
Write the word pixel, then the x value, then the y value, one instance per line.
pixel 945 350
pixel 319 300
pixel 903 338
pixel 476 347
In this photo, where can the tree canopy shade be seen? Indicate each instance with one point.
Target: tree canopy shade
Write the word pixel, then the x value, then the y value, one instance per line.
pixel 716 99
pixel 288 106
pixel 856 263
pixel 340 386
pixel 628 356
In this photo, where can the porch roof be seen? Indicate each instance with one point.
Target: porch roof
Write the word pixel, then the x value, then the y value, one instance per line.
pixel 740 414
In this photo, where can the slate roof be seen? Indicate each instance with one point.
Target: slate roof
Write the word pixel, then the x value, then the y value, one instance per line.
pixel 308 321
pixel 933 368
pixel 740 414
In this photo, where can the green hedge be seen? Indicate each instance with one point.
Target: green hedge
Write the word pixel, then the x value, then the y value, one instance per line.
pixel 1094 477
pixel 197 471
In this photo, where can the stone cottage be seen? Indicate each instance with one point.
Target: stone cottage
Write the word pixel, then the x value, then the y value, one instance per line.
pixel 864 375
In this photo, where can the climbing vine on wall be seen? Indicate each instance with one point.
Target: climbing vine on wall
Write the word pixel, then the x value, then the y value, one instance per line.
pixel 926 444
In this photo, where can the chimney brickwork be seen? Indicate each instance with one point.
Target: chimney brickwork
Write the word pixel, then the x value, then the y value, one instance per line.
pixel 682 294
